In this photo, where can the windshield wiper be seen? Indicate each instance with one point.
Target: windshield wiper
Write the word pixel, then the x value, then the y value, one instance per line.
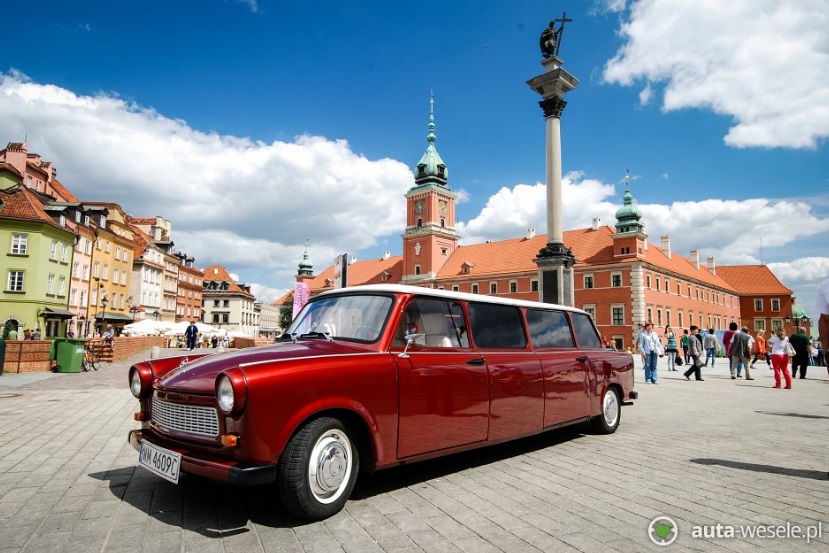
pixel 316 334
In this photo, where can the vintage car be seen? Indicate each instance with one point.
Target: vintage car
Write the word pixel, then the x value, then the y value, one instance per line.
pixel 371 377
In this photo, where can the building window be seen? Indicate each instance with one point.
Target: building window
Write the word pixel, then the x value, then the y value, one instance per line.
pixel 513 286
pixel 73 296
pixel 680 320
pixel 19 244
pixel 444 251
pixel 105 274
pixel 75 267
pixel 85 272
pixel 493 287
pixel 588 282
pixel 534 285
pixel 419 223
pixel 650 315
pixel 658 283
pixel 759 325
pixel 775 304
pixel 666 284
pixel 758 305
pixel 417 269
pixel 53 250
pixel 215 303
pixel 475 288
pixel 617 315
pixel 678 288
pixel 668 317
pixel 616 280
pixel 106 246
pixel 61 286
pixel 50 284
pixel 455 288
pixel 15 283
pixel 659 317
pixel 776 323
pixel 648 280
pixel 591 310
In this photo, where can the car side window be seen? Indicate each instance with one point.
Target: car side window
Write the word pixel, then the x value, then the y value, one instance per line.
pixel 549 329
pixel 496 326
pixel 440 322
pixel 586 333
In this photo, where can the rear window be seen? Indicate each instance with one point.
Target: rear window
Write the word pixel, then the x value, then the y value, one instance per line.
pixel 585 331
pixel 496 326
pixel 549 329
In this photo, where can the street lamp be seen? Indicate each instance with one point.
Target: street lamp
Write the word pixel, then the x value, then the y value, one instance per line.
pixel 156 314
pixel 103 314
pixel 133 310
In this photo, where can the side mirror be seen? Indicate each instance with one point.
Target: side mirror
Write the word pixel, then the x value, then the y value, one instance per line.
pixel 410 339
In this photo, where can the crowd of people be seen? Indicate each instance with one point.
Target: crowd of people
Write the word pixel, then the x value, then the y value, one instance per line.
pixel 788 356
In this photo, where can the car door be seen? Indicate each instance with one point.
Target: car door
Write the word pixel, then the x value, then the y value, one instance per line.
pixel 443 384
pixel 565 368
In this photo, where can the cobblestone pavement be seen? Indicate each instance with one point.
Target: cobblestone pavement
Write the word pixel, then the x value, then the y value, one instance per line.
pixel 720 452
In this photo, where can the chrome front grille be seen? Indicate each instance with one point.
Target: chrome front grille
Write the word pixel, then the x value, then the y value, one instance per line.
pixel 193 419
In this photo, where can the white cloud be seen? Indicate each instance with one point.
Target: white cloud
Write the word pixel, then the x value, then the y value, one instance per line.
pixel 759 61
pixel 511 211
pixel 233 201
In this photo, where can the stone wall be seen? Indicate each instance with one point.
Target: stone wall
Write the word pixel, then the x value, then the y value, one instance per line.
pixel 33 355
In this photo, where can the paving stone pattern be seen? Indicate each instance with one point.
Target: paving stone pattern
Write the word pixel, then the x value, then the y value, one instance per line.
pixel 703 453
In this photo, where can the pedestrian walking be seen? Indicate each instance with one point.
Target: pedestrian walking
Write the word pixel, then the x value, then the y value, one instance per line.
pixel 693 355
pixel 740 352
pixel 650 346
pixel 670 347
pixel 191 334
pixel 802 352
pixel 711 345
pixel 684 343
pixel 780 357
pixel 760 350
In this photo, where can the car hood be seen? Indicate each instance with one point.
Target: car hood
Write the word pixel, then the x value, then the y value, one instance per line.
pixel 199 376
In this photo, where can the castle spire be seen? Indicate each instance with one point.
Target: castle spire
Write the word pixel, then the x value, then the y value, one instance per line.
pixel 431 169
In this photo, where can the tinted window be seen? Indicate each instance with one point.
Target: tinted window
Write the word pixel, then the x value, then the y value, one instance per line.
pixel 496 326
pixel 585 331
pixel 549 329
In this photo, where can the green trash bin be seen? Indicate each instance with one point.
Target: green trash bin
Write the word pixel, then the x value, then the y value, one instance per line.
pixel 68 355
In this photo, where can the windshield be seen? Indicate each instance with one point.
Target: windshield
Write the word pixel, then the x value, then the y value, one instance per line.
pixel 351 317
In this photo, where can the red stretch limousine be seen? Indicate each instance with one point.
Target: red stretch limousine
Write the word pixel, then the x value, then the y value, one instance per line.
pixel 370 377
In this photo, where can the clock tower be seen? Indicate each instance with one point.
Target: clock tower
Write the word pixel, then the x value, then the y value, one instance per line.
pixel 430 237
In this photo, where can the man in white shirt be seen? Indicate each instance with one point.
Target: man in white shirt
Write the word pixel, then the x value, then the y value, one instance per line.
pixel 650 346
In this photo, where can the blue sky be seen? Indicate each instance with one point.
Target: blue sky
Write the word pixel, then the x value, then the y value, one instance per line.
pixel 254 125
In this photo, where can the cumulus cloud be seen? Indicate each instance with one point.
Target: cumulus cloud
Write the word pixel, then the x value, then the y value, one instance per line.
pixel 233 201
pixel 760 62
pixel 511 211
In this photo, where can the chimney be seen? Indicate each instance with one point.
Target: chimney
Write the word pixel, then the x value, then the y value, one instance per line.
pixel 353 259
pixel 386 255
pixel 666 245
pixel 530 233
pixel 695 258
pixel 596 222
pixel 711 266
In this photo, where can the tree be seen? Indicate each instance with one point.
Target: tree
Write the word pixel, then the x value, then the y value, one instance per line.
pixel 286 312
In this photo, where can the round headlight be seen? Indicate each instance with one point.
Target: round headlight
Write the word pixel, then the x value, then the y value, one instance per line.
pixel 135 383
pixel 224 394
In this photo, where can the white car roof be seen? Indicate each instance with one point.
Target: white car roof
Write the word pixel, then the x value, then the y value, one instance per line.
pixel 421 291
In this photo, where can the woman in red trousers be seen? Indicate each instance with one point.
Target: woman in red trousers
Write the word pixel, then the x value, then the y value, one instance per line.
pixel 779 358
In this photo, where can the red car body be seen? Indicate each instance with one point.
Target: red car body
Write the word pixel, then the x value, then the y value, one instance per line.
pixel 394 397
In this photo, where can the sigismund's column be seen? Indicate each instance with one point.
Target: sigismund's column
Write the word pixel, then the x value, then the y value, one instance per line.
pixel 555 261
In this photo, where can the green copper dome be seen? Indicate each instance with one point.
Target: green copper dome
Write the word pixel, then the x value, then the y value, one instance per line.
pixel 628 216
pixel 430 168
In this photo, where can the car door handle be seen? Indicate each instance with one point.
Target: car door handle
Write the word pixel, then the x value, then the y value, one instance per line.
pixel 476 361
pixel 581 359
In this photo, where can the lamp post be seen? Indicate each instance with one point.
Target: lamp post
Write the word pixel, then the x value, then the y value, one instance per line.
pixel 133 310
pixel 156 314
pixel 103 314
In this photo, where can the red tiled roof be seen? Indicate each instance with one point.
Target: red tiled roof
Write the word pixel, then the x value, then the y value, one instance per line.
pixel 63 193
pixel 20 203
pixel 370 271
pixel 752 279
pixel 219 273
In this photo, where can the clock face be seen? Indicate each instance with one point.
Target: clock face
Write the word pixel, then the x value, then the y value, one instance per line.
pixel 442 207
pixel 420 207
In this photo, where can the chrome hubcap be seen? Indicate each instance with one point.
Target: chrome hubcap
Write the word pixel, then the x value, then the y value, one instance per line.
pixel 611 408
pixel 330 466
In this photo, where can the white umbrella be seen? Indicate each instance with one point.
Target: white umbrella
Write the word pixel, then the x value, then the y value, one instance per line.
pixel 146 327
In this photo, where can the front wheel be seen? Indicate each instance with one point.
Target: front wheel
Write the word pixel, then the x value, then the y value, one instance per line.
pixel 317 470
pixel 608 421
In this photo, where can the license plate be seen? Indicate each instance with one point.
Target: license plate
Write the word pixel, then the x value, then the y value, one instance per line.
pixel 160 461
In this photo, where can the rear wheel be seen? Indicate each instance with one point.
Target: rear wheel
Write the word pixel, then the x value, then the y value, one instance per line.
pixel 318 469
pixel 608 421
